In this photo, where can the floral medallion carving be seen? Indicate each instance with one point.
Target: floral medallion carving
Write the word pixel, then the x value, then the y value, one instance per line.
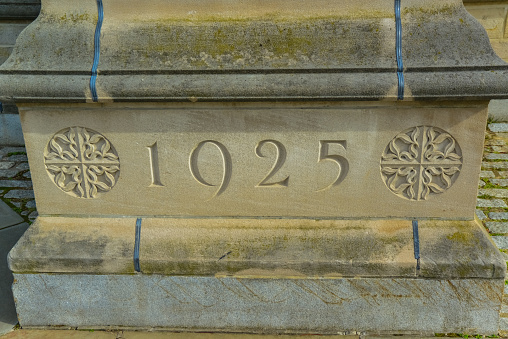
pixel 82 162
pixel 420 162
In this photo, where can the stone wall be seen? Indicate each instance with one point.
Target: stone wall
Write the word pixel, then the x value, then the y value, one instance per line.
pixel 493 16
pixel 15 16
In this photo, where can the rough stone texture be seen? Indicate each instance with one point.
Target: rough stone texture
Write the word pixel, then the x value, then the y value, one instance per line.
pixel 491 203
pixel 251 56
pixel 24 165
pixel 6 165
pixel 7 216
pixel 76 245
pixel 10 130
pixel 15 183
pixel 487 174
pixel 497 227
pixel 495 165
pixel 501 242
pixel 20 194
pixel 498 215
pixel 500 182
pixel 261 304
pixel 494 156
pixel 8 237
pixel 494 192
pixel 500 149
pixel 157 334
pixel 17 157
pixel 258 247
pixel 20 9
pixel 9 173
pixel 358 135
pixel 498 109
pixel 480 215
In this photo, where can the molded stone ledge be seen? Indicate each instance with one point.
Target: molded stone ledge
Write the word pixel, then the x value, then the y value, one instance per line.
pixel 20 10
pixel 79 245
pixel 218 51
pixel 258 247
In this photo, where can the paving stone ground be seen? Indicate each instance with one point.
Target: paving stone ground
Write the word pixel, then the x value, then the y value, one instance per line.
pixel 15 184
pixel 492 209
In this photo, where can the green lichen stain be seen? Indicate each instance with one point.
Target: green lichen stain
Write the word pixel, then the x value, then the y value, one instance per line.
pixel 464 238
pixel 75 18
pixel 225 44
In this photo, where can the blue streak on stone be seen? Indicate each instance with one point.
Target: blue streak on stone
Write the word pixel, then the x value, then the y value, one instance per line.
pixel 398 43
pixel 416 241
pixel 97 51
pixel 137 239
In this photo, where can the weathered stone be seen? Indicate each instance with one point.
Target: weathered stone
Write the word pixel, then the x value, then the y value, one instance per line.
pixel 9 173
pixel 20 194
pixel 6 165
pixel 223 142
pixel 494 156
pixel 497 227
pixel 481 183
pixel 499 127
pixel 253 64
pixel 501 242
pixel 17 157
pixel 33 215
pixel 15 183
pixel 500 149
pixel 11 149
pixel 491 203
pixel 21 9
pixel 487 174
pixel 503 327
pixel 308 305
pixel 18 204
pixel 23 166
pixel 27 175
pixel 10 130
pixel 30 204
pixel 8 217
pixel 494 165
pixel 480 214
pixel 492 18
pixel 498 215
pixel 500 182
pixel 503 174
pixel 8 237
pixel 497 142
pixel 230 165
pixel 271 246
pixel 494 192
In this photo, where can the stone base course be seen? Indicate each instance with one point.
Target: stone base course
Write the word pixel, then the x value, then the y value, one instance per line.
pixel 494 183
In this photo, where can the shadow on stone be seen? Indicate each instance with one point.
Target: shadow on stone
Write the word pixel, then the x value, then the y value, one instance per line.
pixel 8 238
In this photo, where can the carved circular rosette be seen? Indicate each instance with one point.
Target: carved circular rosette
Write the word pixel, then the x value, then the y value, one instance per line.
pixel 82 162
pixel 420 162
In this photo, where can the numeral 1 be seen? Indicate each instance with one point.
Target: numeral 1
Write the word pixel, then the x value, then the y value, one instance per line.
pixel 154 166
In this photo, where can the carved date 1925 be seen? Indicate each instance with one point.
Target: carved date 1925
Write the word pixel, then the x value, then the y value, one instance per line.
pixel 227 163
